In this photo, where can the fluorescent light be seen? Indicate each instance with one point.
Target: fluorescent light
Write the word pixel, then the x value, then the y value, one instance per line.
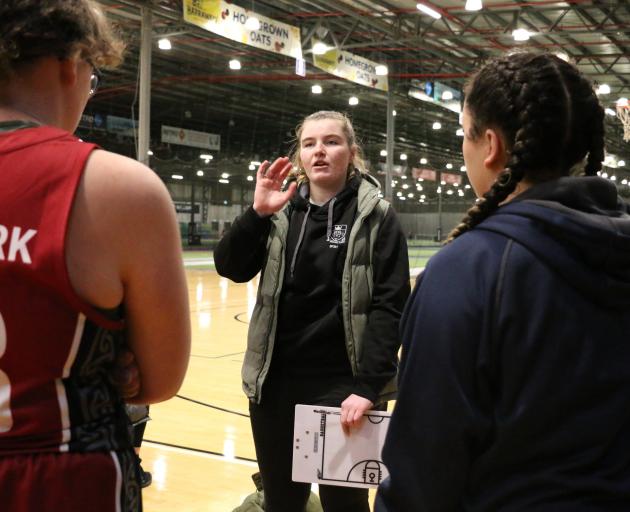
pixel 427 10
pixel 235 64
pixel 177 176
pixel 437 126
pixel 447 95
pixel 164 44
pixel 603 89
pixel 206 157
pixel 381 70
pixel 252 23
pixel 521 34
pixel 227 182
pixel 320 48
pixel 473 5
pixel 353 100
pixel 316 89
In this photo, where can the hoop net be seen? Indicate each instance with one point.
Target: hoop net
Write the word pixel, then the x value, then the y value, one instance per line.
pixel 623 113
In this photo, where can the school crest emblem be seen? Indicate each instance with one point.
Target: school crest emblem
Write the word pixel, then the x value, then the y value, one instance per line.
pixel 338 234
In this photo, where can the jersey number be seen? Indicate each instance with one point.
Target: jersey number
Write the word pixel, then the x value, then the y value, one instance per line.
pixel 6 420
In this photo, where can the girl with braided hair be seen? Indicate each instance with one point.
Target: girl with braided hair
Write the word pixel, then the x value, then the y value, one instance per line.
pixel 514 387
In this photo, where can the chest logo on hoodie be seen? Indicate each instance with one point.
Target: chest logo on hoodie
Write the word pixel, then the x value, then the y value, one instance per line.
pixel 338 234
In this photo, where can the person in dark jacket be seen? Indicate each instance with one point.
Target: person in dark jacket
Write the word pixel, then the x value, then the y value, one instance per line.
pixel 514 389
pixel 334 280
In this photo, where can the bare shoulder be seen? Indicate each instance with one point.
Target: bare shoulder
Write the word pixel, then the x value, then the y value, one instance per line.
pixel 120 178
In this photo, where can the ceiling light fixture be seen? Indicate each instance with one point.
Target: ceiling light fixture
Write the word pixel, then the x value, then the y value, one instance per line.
pixel 316 89
pixel 473 5
pixel 353 100
pixel 521 34
pixel 235 64
pixel 427 10
pixel 603 89
pixel 165 44
pixel 381 70
pixel 320 48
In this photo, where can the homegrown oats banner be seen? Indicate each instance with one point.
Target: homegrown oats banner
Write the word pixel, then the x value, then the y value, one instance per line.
pixel 351 67
pixel 228 20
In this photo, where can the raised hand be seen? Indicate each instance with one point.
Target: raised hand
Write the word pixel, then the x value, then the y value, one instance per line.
pixel 268 195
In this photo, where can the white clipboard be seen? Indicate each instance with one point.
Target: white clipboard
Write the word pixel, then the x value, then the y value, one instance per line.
pixel 324 454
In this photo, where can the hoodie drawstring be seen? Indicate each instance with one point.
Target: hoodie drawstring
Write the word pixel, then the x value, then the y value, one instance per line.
pixel 300 238
pixel 331 206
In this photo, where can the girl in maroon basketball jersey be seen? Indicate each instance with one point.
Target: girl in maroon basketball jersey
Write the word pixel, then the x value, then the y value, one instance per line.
pixel 89 262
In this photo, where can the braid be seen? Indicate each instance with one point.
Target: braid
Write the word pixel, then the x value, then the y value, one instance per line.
pixel 596 148
pixel 540 105
pixel 500 190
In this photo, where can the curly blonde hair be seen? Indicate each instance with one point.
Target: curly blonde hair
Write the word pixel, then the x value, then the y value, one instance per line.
pixel 61 28
pixel 357 164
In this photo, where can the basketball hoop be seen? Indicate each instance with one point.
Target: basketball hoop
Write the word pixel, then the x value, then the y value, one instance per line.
pixel 623 113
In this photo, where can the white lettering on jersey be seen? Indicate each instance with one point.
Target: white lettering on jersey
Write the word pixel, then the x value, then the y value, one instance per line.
pixel 17 244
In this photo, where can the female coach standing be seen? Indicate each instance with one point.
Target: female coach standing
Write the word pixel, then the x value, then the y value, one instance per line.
pixel 334 280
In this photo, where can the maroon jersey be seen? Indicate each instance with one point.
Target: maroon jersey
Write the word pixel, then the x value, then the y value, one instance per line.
pixel 64 435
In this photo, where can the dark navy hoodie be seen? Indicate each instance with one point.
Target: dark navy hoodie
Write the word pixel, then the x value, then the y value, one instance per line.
pixel 514 391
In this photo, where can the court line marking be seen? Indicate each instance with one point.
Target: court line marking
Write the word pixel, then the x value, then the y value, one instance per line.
pixel 245 461
pixel 217 357
pixel 205 404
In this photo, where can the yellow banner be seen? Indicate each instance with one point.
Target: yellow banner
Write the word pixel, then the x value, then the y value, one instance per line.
pixel 228 20
pixel 200 12
pixel 352 67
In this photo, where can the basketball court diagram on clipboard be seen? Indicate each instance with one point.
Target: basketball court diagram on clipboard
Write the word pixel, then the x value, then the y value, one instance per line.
pixel 324 454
